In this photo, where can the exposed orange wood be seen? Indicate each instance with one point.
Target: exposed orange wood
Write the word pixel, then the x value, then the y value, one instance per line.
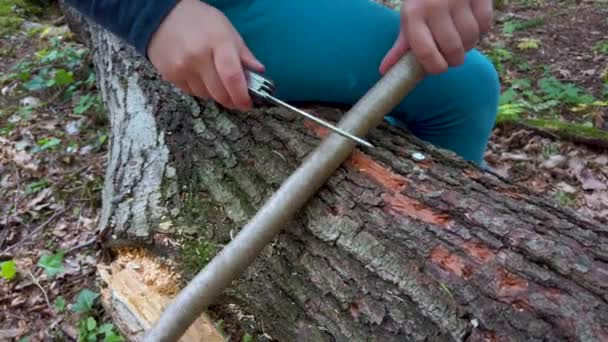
pixel 405 206
pixel 383 176
pixel 138 289
pixel 450 262
pixel 478 251
pixel 510 285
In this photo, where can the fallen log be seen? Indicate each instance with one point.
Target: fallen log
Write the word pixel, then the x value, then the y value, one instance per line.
pixel 404 242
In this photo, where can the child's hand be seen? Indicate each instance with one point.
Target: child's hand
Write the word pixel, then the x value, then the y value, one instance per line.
pixel 439 32
pixel 197 49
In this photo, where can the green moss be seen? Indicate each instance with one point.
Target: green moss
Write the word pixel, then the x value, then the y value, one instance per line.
pixel 10 23
pixel 194 255
pixel 14 12
pixel 21 7
pixel 568 129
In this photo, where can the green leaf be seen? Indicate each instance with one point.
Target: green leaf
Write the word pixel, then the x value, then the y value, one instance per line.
pixel 36 83
pixel 106 328
pixel 45 144
pixel 59 304
pixel 8 269
pixel 247 338
pixel 85 301
pixel 53 264
pixel 63 77
pixel 91 324
pixel 113 337
pixel 110 335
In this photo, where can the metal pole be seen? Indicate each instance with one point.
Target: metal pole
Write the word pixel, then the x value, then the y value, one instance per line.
pixel 235 257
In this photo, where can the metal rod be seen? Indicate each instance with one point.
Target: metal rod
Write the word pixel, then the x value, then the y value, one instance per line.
pixel 295 192
pixel 319 121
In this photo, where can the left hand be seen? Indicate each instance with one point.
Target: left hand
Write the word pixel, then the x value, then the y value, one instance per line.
pixel 439 32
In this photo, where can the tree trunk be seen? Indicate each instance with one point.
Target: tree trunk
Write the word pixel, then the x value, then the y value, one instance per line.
pixel 405 242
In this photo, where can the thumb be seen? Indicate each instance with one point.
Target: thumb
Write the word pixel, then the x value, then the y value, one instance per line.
pixel 399 48
pixel 249 59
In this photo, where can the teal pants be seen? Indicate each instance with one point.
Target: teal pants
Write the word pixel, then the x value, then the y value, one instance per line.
pixel 330 51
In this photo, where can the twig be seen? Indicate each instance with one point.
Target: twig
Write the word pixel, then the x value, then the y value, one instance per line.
pixel 82 245
pixel 35 231
pixel 46 297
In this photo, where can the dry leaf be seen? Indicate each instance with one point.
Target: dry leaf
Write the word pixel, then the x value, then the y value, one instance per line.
pixel 592 183
pixel 589 72
pixel 565 187
pixel 24 161
pixel 554 161
pixel 602 160
pixel 42 195
pixel 514 156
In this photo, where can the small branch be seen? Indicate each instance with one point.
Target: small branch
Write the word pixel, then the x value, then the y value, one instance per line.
pixel 82 245
pixel 46 297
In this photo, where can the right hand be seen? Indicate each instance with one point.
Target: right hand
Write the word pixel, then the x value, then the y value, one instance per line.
pixel 197 49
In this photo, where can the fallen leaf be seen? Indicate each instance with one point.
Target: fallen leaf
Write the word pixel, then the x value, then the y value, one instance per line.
pixel 554 161
pixel 30 101
pixel 593 201
pixel 8 334
pixel 589 72
pixel 565 187
pixel 24 161
pixel 60 229
pixel 42 195
pixel 576 166
pixel 590 182
pixel 564 73
pixel 514 156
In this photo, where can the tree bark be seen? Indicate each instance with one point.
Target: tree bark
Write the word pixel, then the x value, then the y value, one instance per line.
pixel 394 247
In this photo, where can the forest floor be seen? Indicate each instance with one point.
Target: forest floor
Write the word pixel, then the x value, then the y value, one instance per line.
pixel 551 136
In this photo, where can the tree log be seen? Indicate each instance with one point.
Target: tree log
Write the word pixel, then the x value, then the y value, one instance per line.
pixel 405 242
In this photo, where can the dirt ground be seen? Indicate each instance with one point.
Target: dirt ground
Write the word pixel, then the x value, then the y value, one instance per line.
pixel 553 62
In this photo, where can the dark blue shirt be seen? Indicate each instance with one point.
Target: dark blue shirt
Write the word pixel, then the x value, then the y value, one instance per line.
pixel 134 21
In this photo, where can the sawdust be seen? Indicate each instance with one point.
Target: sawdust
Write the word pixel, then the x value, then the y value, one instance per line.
pixel 160 277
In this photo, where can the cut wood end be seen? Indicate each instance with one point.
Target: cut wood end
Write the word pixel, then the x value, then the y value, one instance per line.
pixel 138 288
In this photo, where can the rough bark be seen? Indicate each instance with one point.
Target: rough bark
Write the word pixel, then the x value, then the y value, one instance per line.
pixel 393 248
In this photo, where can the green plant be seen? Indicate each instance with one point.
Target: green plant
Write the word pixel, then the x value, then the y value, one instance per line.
pixel 565 199
pixel 499 55
pixel 511 26
pixel 89 328
pixel 528 44
pixel 601 47
pixel 52 264
pixel 8 269
pixel 59 304
pixel 566 93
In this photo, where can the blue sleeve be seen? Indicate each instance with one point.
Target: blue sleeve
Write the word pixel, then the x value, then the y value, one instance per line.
pixel 134 21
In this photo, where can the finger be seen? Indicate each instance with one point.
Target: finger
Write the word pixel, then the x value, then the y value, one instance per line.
pixel 215 87
pixel 183 85
pixel 467 26
pixel 230 70
pixel 423 46
pixel 249 59
pixel 198 88
pixel 483 11
pixel 399 48
pixel 447 38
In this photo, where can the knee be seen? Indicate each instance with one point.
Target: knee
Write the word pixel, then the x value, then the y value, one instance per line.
pixel 480 93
